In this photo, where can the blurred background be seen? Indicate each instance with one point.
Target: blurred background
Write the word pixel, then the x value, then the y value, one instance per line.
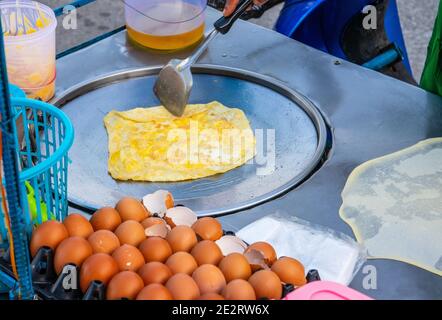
pixel 417 18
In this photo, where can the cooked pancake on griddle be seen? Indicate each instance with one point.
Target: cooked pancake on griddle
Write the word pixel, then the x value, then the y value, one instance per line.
pixel 150 144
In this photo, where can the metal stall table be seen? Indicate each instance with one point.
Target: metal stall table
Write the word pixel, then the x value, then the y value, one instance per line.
pixel 367 114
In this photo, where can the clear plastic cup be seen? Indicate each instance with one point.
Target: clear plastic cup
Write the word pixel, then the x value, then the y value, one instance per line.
pixel 165 24
pixel 30 53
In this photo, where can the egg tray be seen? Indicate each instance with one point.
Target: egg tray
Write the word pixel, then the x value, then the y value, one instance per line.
pixel 49 286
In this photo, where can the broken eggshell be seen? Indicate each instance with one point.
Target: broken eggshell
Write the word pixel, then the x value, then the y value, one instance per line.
pixel 157 230
pixel 148 222
pixel 267 251
pixel 158 202
pixel 180 216
pixel 231 244
pixel 256 259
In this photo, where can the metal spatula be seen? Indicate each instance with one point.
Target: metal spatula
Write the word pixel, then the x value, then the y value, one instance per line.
pixel 175 81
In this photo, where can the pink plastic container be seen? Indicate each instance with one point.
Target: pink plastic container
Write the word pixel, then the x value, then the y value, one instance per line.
pixel 325 290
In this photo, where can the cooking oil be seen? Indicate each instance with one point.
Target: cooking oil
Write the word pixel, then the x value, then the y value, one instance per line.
pixel 167 42
pixel 166 24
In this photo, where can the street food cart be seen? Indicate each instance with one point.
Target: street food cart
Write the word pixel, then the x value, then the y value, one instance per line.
pixel 343 114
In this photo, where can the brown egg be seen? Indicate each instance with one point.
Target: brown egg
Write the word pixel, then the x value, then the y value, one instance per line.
pixel 211 296
pixel 106 218
pixel 155 249
pixel 208 228
pixel 266 284
pixel 130 232
pixel 290 270
pixel 151 221
pixel 209 279
pixel 99 266
pixel 103 241
pixel 235 266
pixel 181 262
pixel 155 291
pixel 49 234
pixel 78 226
pixel 206 252
pixel 71 250
pixel 267 251
pixel 124 285
pixel 128 258
pixel 182 238
pixel 131 209
pixel 183 287
pixel 239 289
pixel 155 272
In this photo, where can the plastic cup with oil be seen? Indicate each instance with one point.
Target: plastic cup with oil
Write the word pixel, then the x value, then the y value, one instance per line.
pixel 165 24
pixel 29 36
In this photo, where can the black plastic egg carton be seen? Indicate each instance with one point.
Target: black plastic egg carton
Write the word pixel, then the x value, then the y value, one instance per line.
pixel 49 286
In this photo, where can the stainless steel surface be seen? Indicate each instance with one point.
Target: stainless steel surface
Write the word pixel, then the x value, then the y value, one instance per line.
pixel 370 115
pixel 298 151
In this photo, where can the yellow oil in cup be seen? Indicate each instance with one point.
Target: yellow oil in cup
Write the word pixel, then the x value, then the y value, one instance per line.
pixel 29 35
pixel 165 24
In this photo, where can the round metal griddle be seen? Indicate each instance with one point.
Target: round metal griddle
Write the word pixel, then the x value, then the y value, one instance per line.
pixel 299 129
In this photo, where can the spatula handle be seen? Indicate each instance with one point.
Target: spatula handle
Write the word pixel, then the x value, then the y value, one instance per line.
pixel 224 24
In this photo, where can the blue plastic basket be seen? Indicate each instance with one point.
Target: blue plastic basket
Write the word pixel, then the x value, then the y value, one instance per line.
pixel 44 135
